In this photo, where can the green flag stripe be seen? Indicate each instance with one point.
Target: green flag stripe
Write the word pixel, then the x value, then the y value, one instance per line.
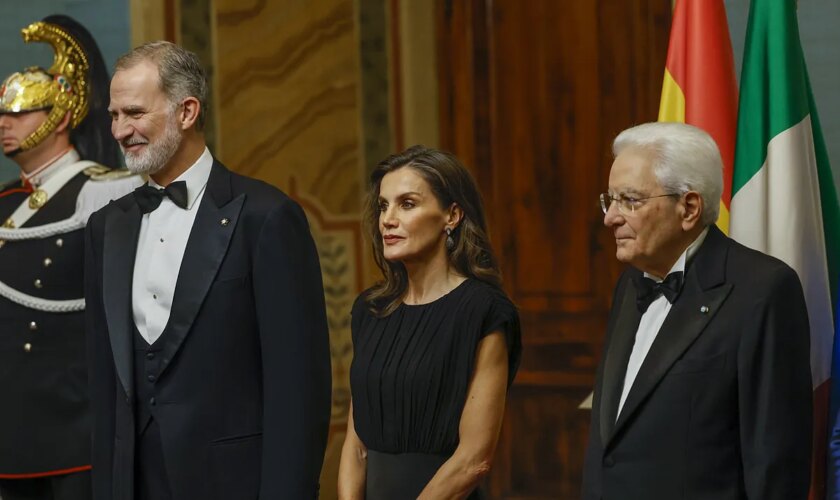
pixel 774 89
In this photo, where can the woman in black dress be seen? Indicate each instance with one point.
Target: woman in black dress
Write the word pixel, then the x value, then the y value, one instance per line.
pixel 436 343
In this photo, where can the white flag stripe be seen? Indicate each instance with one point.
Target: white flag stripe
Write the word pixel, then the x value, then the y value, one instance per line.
pixel 778 212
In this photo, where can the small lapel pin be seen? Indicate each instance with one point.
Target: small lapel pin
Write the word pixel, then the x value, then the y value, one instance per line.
pixel 704 309
pixel 225 221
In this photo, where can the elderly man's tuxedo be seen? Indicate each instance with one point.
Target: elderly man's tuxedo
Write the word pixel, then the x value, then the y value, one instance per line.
pixel 721 406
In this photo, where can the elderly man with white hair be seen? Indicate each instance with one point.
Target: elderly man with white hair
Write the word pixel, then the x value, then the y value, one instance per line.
pixel 704 388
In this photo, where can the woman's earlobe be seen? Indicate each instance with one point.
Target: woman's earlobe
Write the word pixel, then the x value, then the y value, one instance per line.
pixel 456 215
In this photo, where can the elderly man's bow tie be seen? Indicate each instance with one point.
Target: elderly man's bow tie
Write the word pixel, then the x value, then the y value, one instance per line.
pixel 149 198
pixel 647 290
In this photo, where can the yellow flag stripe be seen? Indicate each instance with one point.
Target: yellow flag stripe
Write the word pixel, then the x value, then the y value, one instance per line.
pixel 723 218
pixel 672 103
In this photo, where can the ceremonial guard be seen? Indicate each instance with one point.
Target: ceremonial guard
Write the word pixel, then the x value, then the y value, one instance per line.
pixel 54 124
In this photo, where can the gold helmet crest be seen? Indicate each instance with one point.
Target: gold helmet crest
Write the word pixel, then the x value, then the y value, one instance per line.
pixel 62 89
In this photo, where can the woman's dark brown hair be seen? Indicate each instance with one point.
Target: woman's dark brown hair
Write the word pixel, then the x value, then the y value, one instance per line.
pixel 451 183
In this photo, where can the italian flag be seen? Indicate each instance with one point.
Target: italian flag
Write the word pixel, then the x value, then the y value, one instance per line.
pixel 783 194
pixel 699 86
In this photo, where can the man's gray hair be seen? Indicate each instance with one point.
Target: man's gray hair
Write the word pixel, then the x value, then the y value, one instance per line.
pixel 179 70
pixel 685 158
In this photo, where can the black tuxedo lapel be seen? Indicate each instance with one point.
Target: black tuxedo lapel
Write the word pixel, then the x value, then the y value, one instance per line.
pixel 122 228
pixel 622 338
pixel 704 286
pixel 207 245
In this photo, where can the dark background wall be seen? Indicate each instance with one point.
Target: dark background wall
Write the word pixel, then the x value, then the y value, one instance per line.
pixel 818 21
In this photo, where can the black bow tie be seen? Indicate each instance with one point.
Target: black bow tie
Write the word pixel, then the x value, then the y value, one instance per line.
pixel 149 198
pixel 647 290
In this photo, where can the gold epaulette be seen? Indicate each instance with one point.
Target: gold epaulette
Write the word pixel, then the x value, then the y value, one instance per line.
pixel 103 173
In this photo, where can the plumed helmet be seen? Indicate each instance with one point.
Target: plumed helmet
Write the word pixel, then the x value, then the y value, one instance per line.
pixel 76 83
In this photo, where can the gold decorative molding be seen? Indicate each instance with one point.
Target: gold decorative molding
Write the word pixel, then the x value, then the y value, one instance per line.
pixel 339 242
pixel 417 65
pixel 148 21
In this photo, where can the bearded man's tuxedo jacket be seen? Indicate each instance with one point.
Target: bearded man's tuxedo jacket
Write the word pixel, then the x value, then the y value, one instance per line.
pixel 721 406
pixel 240 387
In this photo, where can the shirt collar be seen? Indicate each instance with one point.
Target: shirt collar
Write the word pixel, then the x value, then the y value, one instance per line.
pixel 42 174
pixel 686 256
pixel 196 177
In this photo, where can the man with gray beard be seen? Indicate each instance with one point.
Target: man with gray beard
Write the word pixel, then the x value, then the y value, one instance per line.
pixel 207 335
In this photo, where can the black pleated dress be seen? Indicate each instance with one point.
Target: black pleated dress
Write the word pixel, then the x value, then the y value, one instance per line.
pixel 409 379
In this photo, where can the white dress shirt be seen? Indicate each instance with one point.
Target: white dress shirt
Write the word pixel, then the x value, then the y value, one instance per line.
pixel 652 321
pixel 160 248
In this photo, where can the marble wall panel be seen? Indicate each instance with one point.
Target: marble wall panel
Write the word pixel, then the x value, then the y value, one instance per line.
pixel 288 83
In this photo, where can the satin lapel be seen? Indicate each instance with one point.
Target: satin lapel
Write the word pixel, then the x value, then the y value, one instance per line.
pixel 206 248
pixel 122 228
pixel 704 286
pixel 622 338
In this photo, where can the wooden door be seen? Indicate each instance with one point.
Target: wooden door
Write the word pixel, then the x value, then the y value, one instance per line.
pixel 532 94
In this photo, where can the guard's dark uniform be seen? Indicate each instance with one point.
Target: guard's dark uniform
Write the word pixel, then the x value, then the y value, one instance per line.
pixel 44 416
pixel 43 376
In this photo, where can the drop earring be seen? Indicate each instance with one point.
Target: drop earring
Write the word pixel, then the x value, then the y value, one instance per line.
pixel 450 241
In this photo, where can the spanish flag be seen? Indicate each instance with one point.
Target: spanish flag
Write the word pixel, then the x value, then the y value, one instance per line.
pixel 700 86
